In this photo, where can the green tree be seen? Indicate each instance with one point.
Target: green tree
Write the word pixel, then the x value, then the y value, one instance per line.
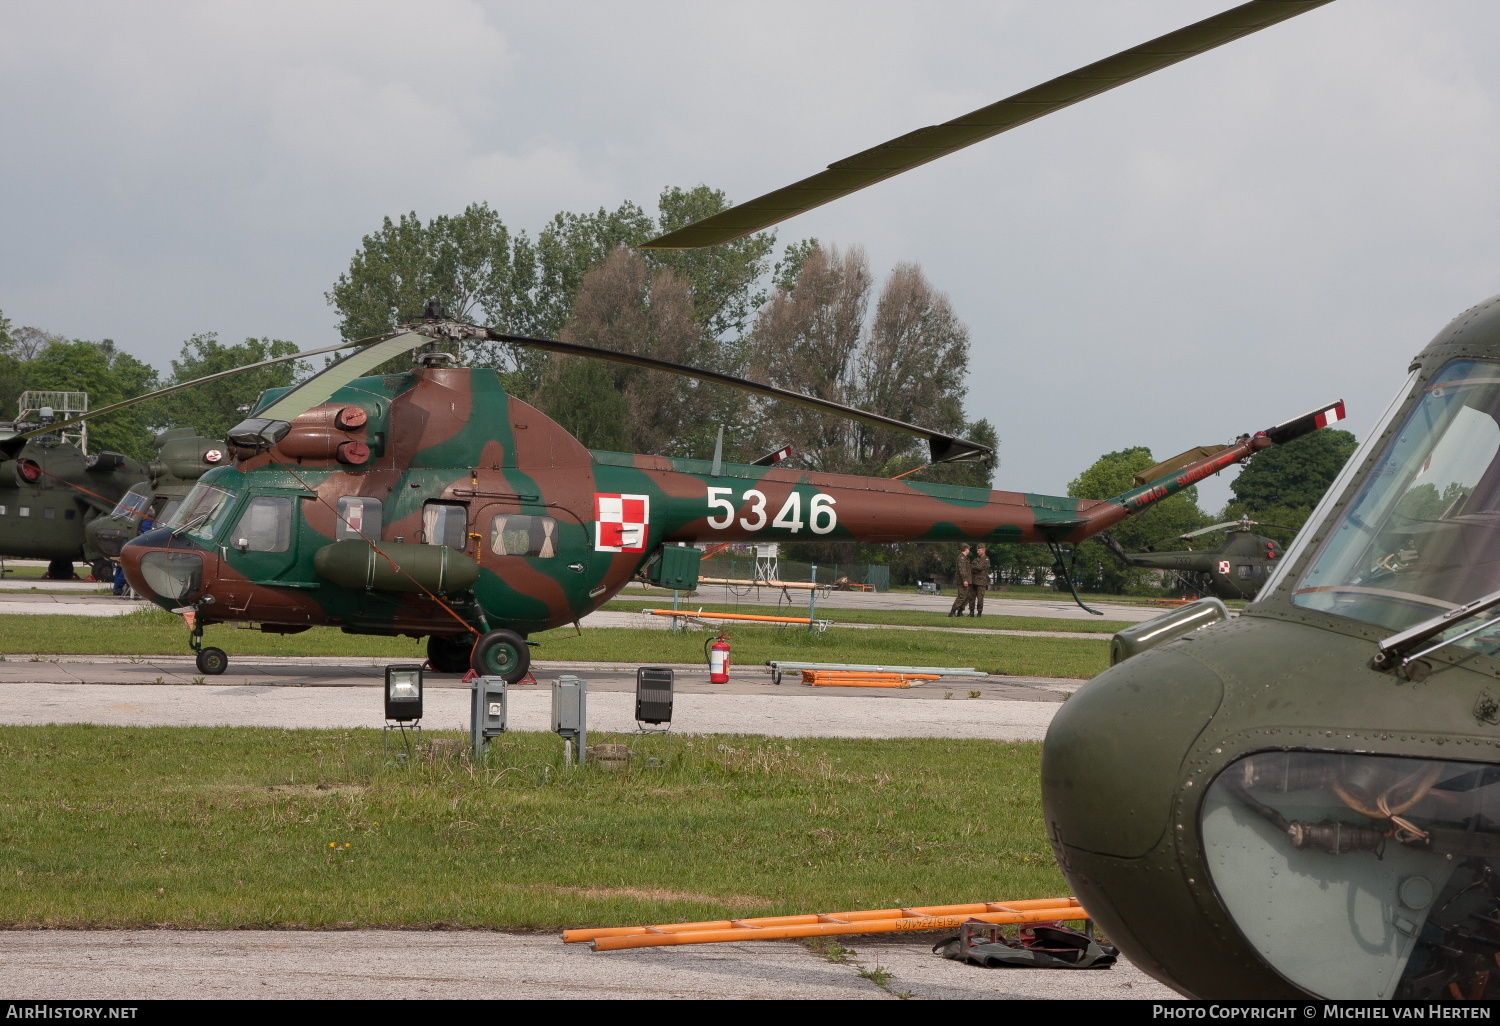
pixel 214 408
pixel 628 307
pixel 1156 529
pixel 108 375
pixel 1295 475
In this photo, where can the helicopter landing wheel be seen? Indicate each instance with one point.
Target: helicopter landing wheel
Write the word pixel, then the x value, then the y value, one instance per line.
pixel 212 661
pixel 501 654
pixel 60 570
pixel 450 654
pixel 103 570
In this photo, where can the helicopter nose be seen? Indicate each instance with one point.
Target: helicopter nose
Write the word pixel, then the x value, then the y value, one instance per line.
pixel 1112 766
pixel 163 568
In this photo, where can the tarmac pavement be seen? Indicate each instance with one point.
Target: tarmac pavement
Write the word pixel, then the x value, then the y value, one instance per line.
pixel 343 692
pixel 84 965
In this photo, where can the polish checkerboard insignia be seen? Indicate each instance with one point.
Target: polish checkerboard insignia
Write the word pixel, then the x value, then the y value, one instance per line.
pixel 621 522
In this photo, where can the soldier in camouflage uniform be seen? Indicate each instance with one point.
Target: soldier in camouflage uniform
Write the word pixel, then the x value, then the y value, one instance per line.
pixel 961 580
pixel 979 580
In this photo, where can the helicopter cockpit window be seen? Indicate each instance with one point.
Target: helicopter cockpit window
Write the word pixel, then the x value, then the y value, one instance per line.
pixel 359 517
pixel 513 534
pixel 130 506
pixel 265 526
pixel 202 510
pixel 445 524
pixel 170 509
pixel 1362 876
pixel 1423 534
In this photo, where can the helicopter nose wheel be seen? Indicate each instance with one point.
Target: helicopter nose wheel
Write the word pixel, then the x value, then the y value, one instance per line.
pixel 501 654
pixel 212 661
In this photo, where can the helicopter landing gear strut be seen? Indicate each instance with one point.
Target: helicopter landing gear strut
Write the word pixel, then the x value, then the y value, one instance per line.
pixel 211 661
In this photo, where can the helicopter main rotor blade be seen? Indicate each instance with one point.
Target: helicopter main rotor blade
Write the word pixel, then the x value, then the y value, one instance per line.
pixel 15 443
pixel 265 427
pixel 1208 530
pixel 927 144
pixel 944 448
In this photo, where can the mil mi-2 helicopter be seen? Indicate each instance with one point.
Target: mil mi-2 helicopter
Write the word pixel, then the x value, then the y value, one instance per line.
pixel 434 504
pixel 1236 569
pixel 1304 800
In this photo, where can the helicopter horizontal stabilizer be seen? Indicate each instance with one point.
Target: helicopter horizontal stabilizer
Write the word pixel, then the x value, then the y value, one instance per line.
pixel 944 448
pixel 1177 462
pixel 927 144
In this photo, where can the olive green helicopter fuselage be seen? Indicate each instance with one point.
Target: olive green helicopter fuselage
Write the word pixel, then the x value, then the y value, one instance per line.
pixel 1303 800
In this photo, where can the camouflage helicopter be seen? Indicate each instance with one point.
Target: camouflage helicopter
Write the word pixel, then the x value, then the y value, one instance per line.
pixel 1300 801
pixel 1235 570
pixel 432 504
pixel 54 488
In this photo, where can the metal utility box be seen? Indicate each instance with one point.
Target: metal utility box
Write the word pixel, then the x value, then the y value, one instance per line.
pixel 570 714
pixel 1139 637
pixel 569 704
pixel 653 694
pixel 676 567
pixel 488 709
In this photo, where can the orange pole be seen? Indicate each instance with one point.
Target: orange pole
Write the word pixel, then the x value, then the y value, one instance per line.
pixel 726 616
pixel 825 929
pixel 969 909
pixel 762 584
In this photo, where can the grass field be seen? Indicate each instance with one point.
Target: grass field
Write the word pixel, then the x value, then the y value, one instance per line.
pixel 899 617
pixel 154 632
pixel 190 827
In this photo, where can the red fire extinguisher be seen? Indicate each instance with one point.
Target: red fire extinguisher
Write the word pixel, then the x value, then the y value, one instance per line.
pixel 718 660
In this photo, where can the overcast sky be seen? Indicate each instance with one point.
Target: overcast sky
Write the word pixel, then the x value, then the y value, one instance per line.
pixel 1210 250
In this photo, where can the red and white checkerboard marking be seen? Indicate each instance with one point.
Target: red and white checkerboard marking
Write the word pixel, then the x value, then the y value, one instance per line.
pixel 621 522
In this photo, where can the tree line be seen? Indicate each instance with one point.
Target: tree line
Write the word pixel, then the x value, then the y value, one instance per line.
pixel 33 359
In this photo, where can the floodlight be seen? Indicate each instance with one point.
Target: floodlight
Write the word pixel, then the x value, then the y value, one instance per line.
pixel 403 693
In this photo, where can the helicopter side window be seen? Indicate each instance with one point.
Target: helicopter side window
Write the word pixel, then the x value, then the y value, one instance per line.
pixel 265 526
pixel 513 534
pixel 1422 535
pixel 359 517
pixel 445 524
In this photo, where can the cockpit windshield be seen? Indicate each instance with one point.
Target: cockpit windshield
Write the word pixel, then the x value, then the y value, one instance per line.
pixel 131 505
pixel 1423 534
pixel 201 511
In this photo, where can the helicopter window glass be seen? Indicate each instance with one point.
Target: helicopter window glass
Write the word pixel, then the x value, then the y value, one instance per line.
pixel 1361 876
pixel 359 517
pixel 444 524
pixel 130 504
pixel 265 526
pixel 202 510
pixel 1243 571
pixel 1422 536
pixel 169 510
pixel 513 534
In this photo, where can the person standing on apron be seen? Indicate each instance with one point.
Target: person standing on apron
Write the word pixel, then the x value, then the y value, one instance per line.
pixel 979 580
pixel 961 581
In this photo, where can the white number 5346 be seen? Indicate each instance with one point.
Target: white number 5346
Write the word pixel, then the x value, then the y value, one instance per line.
pixel 821 517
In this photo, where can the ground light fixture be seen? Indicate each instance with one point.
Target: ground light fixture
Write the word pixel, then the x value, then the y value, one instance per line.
pixel 403 693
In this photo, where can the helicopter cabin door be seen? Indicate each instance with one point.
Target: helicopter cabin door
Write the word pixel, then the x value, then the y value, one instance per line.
pixel 263 543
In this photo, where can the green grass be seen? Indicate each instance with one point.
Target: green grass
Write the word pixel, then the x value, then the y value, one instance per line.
pixel 154 632
pixel 198 827
pixel 898 617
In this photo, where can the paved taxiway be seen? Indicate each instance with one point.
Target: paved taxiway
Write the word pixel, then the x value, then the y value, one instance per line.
pixel 83 965
pixel 334 692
